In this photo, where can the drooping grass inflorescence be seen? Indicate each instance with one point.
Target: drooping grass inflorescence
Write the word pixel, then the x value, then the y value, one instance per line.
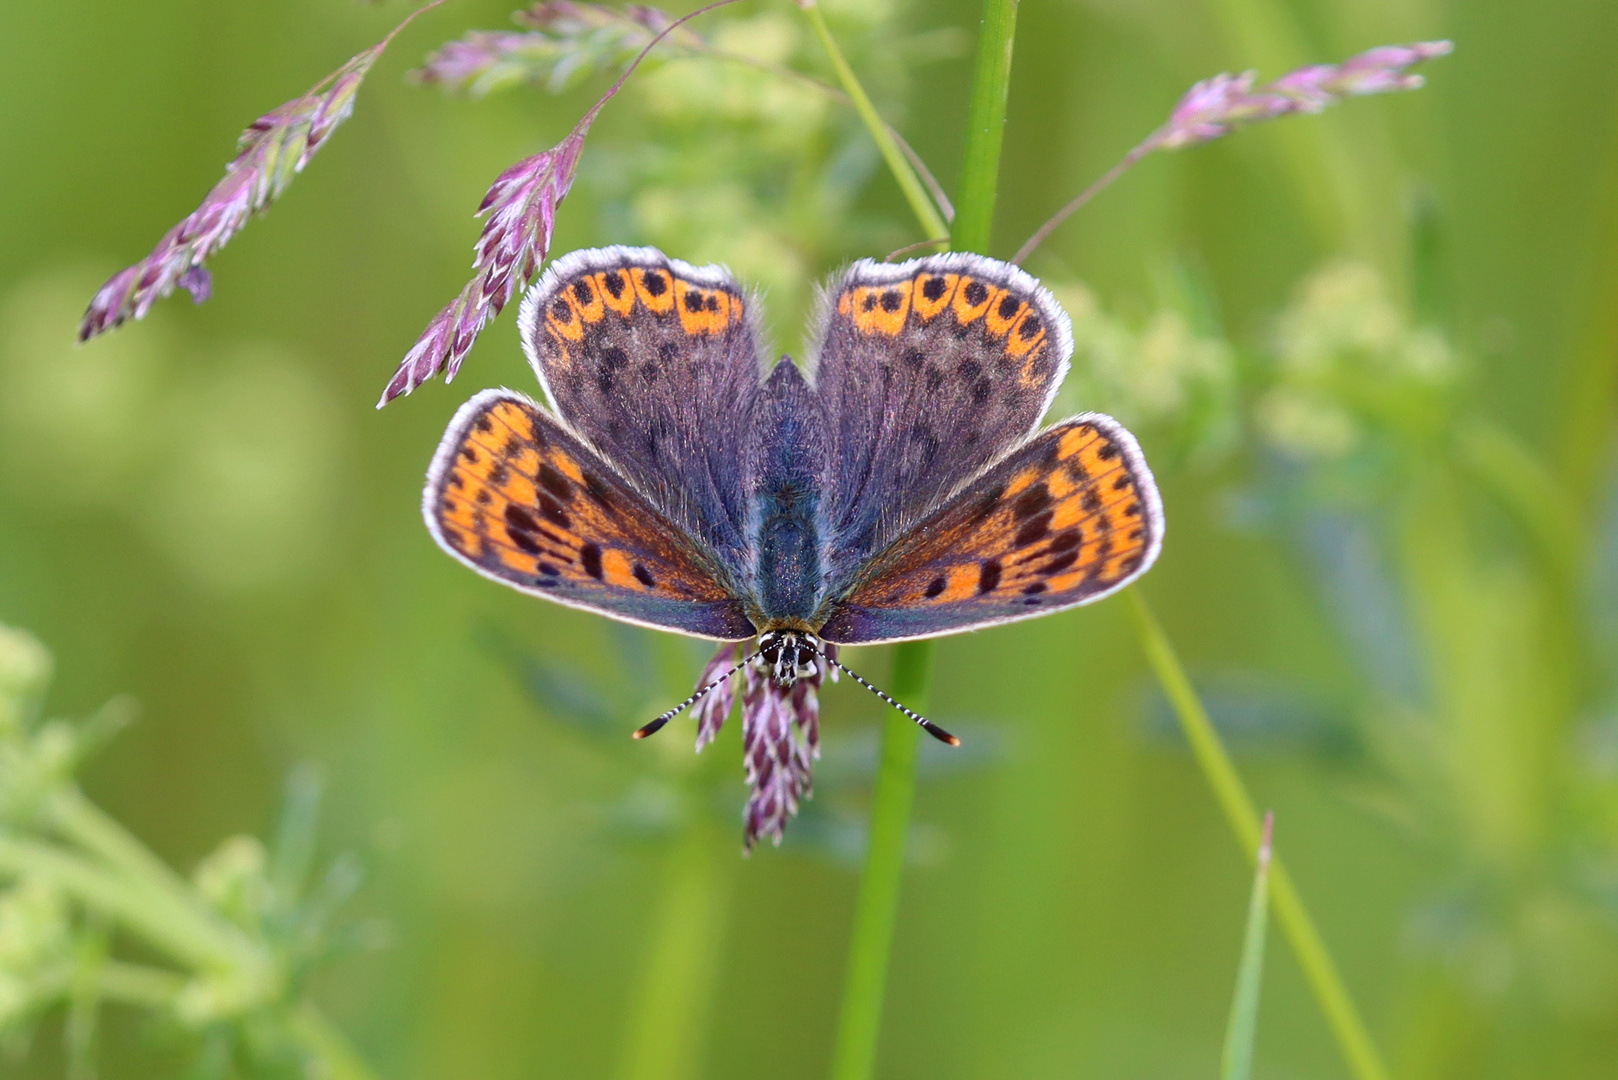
pixel 273 150
pixel 1215 107
pixel 521 208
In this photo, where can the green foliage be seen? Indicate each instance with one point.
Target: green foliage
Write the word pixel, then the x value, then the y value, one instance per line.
pixel 237 941
pixel 1383 438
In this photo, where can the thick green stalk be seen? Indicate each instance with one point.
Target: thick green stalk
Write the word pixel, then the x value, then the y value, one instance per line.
pixel 876 909
pixel 1353 1039
pixel 921 204
pixel 985 124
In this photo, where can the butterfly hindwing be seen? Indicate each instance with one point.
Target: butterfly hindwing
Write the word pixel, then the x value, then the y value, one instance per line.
pixel 515 496
pixel 656 363
pixel 927 371
pixel 1068 518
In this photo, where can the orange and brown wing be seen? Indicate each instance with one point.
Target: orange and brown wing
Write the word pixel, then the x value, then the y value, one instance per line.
pixel 519 499
pixel 1066 519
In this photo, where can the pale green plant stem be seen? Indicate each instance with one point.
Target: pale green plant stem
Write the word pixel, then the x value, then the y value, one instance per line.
pixel 329 1046
pixel 915 192
pixel 139 984
pixel 1353 1039
pixel 140 906
pixel 985 126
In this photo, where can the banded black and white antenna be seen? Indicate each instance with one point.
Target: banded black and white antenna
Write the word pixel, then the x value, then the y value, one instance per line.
pixel 656 725
pixel 925 724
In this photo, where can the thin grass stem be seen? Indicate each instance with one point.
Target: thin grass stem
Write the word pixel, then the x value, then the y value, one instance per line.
pixel 915 192
pixel 1325 981
pixel 667 1021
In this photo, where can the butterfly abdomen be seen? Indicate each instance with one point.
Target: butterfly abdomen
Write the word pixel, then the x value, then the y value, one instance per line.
pixel 786 500
pixel 788 566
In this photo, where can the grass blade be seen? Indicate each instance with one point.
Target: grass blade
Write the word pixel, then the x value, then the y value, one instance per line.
pixel 1237 1061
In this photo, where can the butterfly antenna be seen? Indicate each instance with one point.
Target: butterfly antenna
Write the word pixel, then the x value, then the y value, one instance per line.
pixel 657 725
pixel 926 725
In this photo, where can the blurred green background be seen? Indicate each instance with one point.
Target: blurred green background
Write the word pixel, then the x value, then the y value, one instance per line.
pixel 1371 355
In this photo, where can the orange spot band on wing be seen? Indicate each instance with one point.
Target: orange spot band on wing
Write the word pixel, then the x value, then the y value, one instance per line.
pixel 881 309
pixel 654 288
pixel 932 293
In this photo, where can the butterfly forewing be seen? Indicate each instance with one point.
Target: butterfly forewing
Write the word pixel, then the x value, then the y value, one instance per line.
pixel 515 496
pixel 927 371
pixel 1066 519
pixel 656 363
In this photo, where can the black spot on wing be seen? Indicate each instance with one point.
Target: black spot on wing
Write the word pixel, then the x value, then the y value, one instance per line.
pixel 1034 529
pixel 554 482
pixel 1066 540
pixel 1033 501
pixel 590 559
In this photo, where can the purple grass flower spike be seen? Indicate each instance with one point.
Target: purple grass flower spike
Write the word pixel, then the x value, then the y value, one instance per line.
pixel 566 42
pixel 780 742
pixel 780 735
pixel 712 710
pixel 268 155
pixel 1219 105
pixel 1215 107
pixel 521 208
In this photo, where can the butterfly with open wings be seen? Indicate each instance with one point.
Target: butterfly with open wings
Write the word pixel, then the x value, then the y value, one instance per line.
pixel 898 486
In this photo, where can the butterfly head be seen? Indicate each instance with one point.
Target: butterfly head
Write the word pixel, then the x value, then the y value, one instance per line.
pixel 789 655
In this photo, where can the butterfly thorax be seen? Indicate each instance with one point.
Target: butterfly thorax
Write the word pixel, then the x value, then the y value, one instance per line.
pixel 789 655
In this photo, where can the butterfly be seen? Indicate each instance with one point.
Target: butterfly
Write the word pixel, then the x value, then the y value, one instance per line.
pixel 897 486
